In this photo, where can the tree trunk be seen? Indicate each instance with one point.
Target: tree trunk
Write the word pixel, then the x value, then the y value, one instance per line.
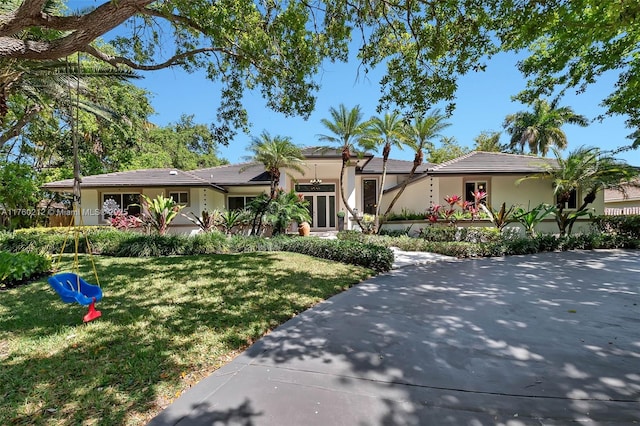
pixel 342 195
pixel 385 156
pixel 416 163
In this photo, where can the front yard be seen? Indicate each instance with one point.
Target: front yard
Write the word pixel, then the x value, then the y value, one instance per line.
pixel 167 323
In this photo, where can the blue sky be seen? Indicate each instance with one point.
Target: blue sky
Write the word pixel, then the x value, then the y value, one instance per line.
pixel 483 101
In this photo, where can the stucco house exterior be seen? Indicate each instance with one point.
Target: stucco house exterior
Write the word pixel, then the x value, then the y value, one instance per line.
pixel 623 202
pixel 233 186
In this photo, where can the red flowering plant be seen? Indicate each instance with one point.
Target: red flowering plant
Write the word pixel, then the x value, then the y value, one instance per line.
pixel 123 221
pixel 457 208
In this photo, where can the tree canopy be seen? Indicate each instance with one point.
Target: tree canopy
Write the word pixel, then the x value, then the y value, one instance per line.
pixel 277 47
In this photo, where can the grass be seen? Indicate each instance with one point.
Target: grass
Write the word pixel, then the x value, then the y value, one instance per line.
pixel 167 323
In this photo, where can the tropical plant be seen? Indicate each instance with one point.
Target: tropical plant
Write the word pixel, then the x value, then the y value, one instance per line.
pixel 273 153
pixel 347 128
pixel 421 133
pixel 207 221
pixel 230 219
pixel 286 208
pixel 158 213
pixel 583 172
pixel 500 218
pixel 530 218
pixel 488 142
pixel 387 131
pixel 541 129
pixel 122 220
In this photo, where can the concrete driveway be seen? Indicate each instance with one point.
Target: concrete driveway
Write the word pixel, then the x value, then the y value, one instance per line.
pixel 545 339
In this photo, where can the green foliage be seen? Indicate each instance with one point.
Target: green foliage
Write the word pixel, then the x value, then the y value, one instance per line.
pixel 627 226
pixel 368 255
pixel 586 171
pixel 132 244
pixel 529 219
pixel 231 220
pixel 462 234
pixel 405 214
pixel 158 213
pixel 207 221
pixel 448 150
pixel 500 218
pixel 565 58
pixel 541 129
pixel 184 145
pixel 18 268
pixel 286 208
pixel 18 191
pixel 488 142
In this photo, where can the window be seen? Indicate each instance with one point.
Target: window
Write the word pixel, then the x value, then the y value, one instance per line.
pixel 128 202
pixel 180 197
pixel 369 195
pixel 239 203
pixel 472 186
pixel 572 202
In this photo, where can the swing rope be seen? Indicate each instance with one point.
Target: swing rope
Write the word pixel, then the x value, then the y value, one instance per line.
pixel 78 227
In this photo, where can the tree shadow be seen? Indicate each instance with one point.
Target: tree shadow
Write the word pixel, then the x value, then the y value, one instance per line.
pixel 551 336
pixel 119 365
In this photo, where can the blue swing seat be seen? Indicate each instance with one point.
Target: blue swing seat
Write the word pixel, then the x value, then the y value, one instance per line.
pixel 66 285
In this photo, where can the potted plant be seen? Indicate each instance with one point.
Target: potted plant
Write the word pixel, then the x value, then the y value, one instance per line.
pixel 341 214
pixel 288 207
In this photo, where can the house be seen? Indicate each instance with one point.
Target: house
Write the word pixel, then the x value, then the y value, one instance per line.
pixel 233 186
pixel 625 202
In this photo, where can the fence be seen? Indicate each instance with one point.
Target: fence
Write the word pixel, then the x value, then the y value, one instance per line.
pixel 621 211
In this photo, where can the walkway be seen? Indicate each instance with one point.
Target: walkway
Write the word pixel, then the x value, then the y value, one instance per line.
pixel 543 339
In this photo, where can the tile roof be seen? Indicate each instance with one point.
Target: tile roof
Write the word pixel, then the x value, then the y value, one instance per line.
pixel 631 192
pixel 374 166
pixel 493 163
pixel 234 174
pixel 328 152
pixel 145 177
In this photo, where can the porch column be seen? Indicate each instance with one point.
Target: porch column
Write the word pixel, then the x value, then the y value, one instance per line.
pixel 350 192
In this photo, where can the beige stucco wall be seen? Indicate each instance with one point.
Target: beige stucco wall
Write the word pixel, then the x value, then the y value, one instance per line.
pixel 420 194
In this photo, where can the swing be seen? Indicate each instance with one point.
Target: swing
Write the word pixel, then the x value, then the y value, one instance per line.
pixel 69 285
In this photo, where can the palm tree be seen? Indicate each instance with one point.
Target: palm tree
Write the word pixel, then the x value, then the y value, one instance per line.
pixel 540 130
pixel 422 132
pixel 274 153
pixel 347 129
pixel 585 171
pixel 389 130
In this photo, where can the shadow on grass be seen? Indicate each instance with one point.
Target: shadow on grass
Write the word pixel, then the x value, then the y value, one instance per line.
pixel 166 323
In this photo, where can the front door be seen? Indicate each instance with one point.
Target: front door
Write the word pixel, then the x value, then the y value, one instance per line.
pixel 322 205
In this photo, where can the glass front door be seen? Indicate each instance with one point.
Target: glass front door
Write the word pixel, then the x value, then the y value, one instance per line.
pixel 322 205
pixel 322 208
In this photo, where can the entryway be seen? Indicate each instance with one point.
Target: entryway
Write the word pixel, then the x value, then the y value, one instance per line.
pixel 322 205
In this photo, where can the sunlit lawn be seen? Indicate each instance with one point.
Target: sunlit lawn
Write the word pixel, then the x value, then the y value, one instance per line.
pixel 167 323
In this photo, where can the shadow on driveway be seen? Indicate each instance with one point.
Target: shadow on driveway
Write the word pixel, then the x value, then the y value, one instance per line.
pixel 552 338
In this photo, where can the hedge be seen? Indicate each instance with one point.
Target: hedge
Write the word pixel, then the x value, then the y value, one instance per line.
pixel 132 244
pixel 18 268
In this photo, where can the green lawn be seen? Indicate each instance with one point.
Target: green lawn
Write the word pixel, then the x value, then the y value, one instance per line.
pixel 166 323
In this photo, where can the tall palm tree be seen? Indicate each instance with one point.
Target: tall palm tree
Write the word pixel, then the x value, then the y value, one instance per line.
pixel 273 153
pixel 422 132
pixel 347 128
pixel 540 129
pixel 389 130
pixel 584 172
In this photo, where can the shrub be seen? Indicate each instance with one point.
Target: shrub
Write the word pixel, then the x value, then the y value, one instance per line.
pixel 368 255
pixel 455 234
pixel 621 225
pixel 18 268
